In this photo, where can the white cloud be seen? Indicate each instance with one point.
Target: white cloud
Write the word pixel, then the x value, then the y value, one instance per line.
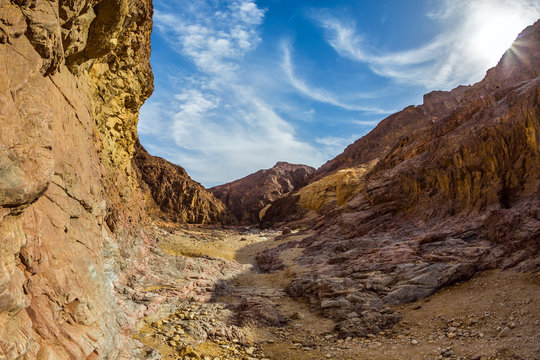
pixel 480 32
pixel 220 127
pixel 210 34
pixel 335 145
pixel 315 93
pixel 365 122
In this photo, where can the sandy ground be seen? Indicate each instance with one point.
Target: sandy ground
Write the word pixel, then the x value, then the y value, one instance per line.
pixel 495 315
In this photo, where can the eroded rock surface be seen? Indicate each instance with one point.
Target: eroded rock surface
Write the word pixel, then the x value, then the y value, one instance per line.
pixel 458 196
pixel 74 74
pixel 335 182
pixel 248 198
pixel 176 195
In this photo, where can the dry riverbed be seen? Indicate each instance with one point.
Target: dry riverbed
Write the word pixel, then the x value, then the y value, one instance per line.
pixel 207 300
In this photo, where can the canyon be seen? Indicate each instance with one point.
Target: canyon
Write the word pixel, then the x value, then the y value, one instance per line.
pixel 422 238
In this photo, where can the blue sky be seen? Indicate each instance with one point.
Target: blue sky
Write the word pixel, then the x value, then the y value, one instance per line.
pixel 242 84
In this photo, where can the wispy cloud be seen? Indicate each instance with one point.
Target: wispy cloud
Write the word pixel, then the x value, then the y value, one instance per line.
pixel 476 39
pixel 334 144
pixel 315 93
pixel 219 126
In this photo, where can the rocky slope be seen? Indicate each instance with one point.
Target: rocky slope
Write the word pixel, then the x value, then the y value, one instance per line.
pixel 247 197
pixel 79 267
pixel 176 195
pixel 389 131
pixel 74 74
pixel 459 196
pixel 338 179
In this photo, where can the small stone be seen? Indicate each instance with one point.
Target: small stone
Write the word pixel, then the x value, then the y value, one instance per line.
pixel 451 335
pixel 328 356
pixel 297 316
pixel 447 353
pixel 504 332
pixel 512 325
pixel 414 342
pixel 455 324
pixel 250 350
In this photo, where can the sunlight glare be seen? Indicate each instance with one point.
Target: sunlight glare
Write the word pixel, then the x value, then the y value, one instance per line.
pixel 495 35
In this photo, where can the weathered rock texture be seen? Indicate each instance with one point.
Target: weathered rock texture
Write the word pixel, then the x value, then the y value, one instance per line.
pixel 248 198
pixel 385 135
pixel 458 196
pixel 74 74
pixel 178 197
pixel 338 180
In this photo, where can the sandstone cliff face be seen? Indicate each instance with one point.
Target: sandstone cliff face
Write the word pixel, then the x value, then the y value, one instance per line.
pixel 247 197
pixel 74 74
pixel 338 179
pixel 460 196
pixel 389 131
pixel 176 195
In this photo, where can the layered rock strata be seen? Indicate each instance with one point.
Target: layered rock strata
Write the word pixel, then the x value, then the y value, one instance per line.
pixel 176 195
pixel 249 197
pixel 460 196
pixel 339 179
pixel 74 74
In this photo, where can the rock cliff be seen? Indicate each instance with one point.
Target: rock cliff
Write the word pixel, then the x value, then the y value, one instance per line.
pixel 455 188
pixel 248 198
pixel 176 195
pixel 385 135
pixel 459 195
pixel 337 180
pixel 74 74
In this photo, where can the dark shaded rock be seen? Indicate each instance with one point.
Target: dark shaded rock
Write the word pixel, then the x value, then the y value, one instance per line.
pixel 370 322
pixel 178 197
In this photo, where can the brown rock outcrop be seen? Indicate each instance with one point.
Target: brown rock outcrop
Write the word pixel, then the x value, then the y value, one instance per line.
pixel 74 74
pixel 389 131
pixel 176 195
pixel 460 196
pixel 247 197
pixel 336 174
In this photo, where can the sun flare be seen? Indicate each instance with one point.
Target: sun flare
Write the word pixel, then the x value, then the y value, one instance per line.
pixel 496 32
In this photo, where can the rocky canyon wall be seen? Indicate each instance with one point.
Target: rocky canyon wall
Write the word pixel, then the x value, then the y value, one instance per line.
pixel 459 196
pixel 74 75
pixel 249 197
pixel 174 195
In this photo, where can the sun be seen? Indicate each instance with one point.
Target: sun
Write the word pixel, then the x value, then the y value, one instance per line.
pixel 495 34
